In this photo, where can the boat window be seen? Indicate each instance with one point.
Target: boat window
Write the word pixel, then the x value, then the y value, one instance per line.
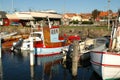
pixel 51 31
pixel 54 31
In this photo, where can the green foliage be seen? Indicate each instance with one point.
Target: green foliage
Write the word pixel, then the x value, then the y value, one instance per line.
pixel 95 13
pixel 74 22
pixel 87 22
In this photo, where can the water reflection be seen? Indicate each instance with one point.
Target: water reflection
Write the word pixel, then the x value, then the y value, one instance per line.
pixel 1 71
pixel 17 67
pixel 84 73
pixel 48 67
pixel 32 72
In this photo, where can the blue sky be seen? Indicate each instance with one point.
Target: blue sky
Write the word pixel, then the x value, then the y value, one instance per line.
pixel 71 6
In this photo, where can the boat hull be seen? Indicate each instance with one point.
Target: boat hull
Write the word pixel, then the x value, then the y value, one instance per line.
pixel 44 51
pixel 106 64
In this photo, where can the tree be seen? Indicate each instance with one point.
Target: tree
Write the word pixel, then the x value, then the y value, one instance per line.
pixel 110 11
pixel 95 13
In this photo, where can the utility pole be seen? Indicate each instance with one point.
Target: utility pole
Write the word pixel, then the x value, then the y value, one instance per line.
pixel 108 14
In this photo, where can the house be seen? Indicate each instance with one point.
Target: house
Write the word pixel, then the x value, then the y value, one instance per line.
pixel 24 18
pixel 67 17
pixel 114 15
pixel 76 18
pixel 86 16
pixel 54 17
pixel 2 17
pixel 72 16
pixel 12 19
pixel 104 15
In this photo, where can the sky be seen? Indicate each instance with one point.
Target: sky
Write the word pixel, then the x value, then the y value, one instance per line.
pixel 60 6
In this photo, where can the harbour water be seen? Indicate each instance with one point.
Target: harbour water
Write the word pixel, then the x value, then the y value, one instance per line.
pixel 17 67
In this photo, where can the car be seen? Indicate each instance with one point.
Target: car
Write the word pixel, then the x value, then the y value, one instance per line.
pixel 15 24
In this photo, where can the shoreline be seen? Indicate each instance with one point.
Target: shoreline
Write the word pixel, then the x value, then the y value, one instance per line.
pixel 23 32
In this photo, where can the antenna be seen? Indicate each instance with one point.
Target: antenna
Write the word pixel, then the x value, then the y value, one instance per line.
pixel 12 8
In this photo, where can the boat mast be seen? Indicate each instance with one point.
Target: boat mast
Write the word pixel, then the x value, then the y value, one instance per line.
pixel 42 34
pixel 108 14
pixel 49 22
pixel 114 35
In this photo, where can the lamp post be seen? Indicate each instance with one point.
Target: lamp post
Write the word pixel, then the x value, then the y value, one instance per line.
pixel 108 14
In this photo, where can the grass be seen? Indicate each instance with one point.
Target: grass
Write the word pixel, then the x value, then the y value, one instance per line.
pixel 19 29
pixel 84 27
pixel 84 31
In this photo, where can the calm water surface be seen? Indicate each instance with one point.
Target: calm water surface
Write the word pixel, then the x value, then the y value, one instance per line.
pixel 17 67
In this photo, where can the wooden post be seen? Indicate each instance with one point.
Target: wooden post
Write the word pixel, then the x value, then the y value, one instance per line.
pixel 31 53
pixel 31 59
pixel 75 58
pixel 0 48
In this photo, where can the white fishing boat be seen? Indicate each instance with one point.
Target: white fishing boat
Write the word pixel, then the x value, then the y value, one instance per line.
pixel 106 59
pixel 45 41
pixel 35 36
pixel 5 35
pixel 25 44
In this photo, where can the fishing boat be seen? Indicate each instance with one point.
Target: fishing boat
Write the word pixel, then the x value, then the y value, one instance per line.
pixel 5 36
pixel 52 43
pixel 105 58
pixel 45 40
pixel 25 44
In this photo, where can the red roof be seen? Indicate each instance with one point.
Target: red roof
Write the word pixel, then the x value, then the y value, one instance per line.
pixel 102 14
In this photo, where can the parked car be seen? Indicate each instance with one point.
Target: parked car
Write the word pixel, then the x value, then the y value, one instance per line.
pixel 15 24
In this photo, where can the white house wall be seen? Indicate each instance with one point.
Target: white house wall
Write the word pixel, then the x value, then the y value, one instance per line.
pixel 12 16
pixel 24 15
pixel 42 14
pixel 76 18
